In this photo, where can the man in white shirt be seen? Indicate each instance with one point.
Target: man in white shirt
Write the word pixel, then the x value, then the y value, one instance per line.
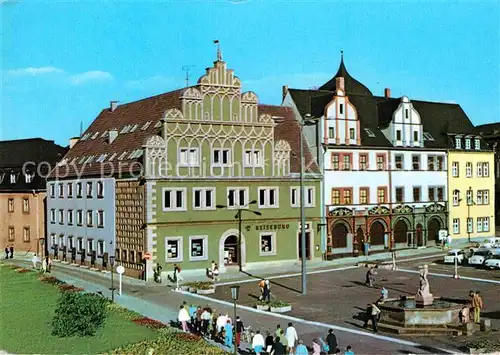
pixel 291 337
pixel 34 261
pixel 258 343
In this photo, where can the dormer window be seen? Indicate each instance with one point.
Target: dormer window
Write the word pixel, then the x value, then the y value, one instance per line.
pixel 12 178
pixel 398 135
pixel 415 136
pixel 341 109
pixel 428 136
pixel 331 132
pixel 458 143
pixel 352 134
pixel 477 144
pixel 467 143
pixel 28 177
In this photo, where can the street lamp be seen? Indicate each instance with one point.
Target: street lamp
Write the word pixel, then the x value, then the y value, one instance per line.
pixel 235 293
pixel 308 120
pixel 112 263
pixel 238 216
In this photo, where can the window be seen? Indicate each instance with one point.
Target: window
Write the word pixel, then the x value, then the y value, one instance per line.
pixel 10 205
pixel 204 198
pixel 52 190
pixel 456 197
pixel 61 240
pixel 479 169
pixel 400 194
pixel 347 162
pixel 455 169
pixel 174 199
pixel 100 189
pixel 479 224
pixel 12 234
pixel 189 156
pixel 237 197
pixel 310 199
pixel 468 169
pixel 440 193
pixel 331 132
pixel 70 190
pixel 12 178
pixel 100 247
pixel 398 135
pixel 61 190
pixel 89 189
pixel 406 113
pixel 294 197
pixel 267 243
pixel 28 178
pixel 439 160
pixel 458 142
pixel 486 169
pixel 221 157
pixel 467 143
pixel 486 197
pixel 399 160
pixel 253 158
pixel 370 133
pixel 198 247
pixel 71 244
pixel 417 194
pixel 415 136
pixel 415 162
pixel 341 109
pixel 335 197
pixel 430 163
pixel 79 217
pixel 469 197
pixel 90 246
pixel 268 197
pixel 100 219
pixel 124 255
pixel 26 205
pixel 381 192
pixel 70 217
pixel 479 198
pixel 347 196
pixel 470 222
pixel 456 226
pixel 477 144
pixel 432 193
pixel 364 198
pixel 61 216
pixel 363 162
pixel 52 216
pixel 26 234
pixel 90 218
pixel 486 224
pixel 173 247
pixel 335 161
pixel 79 245
pixel 352 134
pixel 131 256
pixel 79 190
pixel 380 162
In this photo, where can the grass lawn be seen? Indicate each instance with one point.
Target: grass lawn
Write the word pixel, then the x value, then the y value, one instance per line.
pixel 26 310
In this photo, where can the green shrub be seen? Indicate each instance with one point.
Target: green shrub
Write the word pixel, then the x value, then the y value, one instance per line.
pixel 79 314
pixel 278 304
pixel 486 346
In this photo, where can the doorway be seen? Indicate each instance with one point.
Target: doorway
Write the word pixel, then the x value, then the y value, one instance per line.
pixel 231 251
pixel 420 235
pixel 308 244
pixel 400 231
pixel 377 231
pixel 433 227
pixel 339 235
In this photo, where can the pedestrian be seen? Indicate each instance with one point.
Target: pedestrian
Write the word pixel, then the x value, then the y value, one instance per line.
pixel 34 261
pixel 258 343
pixel 240 328
pixel 269 342
pixel 215 331
pixel 197 323
pixel 316 347
pixel 283 339
pixel 374 317
pixel 366 245
pixel 370 276
pixel 7 252
pixel 278 347
pixel 291 337
pixel 477 304
pixel 278 330
pixel 349 350
pixel 331 341
pixel 183 318
pixel 49 264
pixel 448 240
pixel 221 322
pixel 465 314
pixel 205 321
pixel 11 251
pixel 267 291
pixel 262 284
pixel 384 295
pixel 228 338
pixel 368 315
pixel 301 349
pixel 44 265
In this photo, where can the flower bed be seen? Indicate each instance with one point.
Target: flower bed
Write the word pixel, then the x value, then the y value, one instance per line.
pixel 22 270
pixel 201 287
pixel 484 346
pixel 188 336
pixel 280 307
pixel 150 323
pixel 69 288
pixel 52 280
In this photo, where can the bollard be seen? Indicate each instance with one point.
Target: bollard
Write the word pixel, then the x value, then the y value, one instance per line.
pixel 485 325
pixel 468 329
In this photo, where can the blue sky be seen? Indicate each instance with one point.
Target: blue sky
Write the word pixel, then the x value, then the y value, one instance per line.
pixel 62 62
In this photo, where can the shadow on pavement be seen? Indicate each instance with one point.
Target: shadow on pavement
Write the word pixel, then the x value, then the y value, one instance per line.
pixel 492 315
pixel 272 282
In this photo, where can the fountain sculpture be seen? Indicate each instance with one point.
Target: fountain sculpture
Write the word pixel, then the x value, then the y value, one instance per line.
pixel 424 296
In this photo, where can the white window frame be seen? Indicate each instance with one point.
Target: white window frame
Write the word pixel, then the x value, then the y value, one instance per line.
pixel 479 169
pixel 479 197
pixel 458 143
pixel 479 223
pixel 220 152
pixel 477 144
pixel 470 225
pixel 173 199
pixel 52 240
pixel 12 178
pixel 469 197
pixel 267 197
pixel 69 217
pixel 70 190
pixel 467 143
pixel 179 248
pixel 486 224
pixel 294 190
pixel 273 244
pixel 237 202
pixel 101 247
pixel 52 215
pixel 203 191
pixel 100 186
pixel 486 197
pixel 468 170
pixel 60 189
pixel 26 205
pixel 90 189
pixel 79 244
pixel 71 243
pixel 310 191
pixel 456 226
pixel 188 161
pixel 61 240
pixel 52 190
pixel 205 248
pixel 100 219
pixel 486 169
pixel 90 246
pixel 90 218
pixel 456 197
pixel 79 190
pixel 60 217
pixel 455 169
pixel 79 217
pixel 331 132
pixel 252 158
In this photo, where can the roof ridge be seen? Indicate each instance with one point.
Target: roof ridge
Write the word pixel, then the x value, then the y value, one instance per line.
pixel 27 139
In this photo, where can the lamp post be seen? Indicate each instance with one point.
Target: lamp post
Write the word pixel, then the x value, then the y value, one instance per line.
pixel 112 264
pixel 308 120
pixel 235 293
pixel 239 217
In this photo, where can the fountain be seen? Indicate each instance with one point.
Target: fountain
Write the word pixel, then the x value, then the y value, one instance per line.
pixel 422 314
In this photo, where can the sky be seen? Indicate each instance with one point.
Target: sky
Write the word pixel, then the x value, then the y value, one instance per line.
pixel 62 61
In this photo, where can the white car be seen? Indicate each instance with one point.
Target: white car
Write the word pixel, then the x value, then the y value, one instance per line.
pixel 454 254
pixel 491 243
pixel 493 262
pixel 480 256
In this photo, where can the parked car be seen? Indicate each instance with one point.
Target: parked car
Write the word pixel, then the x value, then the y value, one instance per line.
pixel 493 262
pixel 491 243
pixel 454 254
pixel 480 256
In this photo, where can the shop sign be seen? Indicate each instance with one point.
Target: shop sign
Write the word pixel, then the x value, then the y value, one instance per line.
pixel 271 227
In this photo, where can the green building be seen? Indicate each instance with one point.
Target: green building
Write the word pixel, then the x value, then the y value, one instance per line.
pixel 218 150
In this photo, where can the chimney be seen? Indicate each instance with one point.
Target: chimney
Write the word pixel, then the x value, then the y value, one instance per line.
pixel 387 92
pixel 73 141
pixel 285 91
pixel 339 84
pixel 113 105
pixel 112 134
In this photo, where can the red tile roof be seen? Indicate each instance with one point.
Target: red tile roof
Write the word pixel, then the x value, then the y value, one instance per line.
pixel 152 110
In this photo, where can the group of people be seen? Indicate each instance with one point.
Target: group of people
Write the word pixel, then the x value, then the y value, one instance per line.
pixel 46 263
pixel 473 306
pixel 220 327
pixel 9 252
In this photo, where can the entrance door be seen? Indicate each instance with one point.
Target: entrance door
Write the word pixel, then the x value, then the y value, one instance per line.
pixel 433 227
pixel 400 231
pixel 339 236
pixel 377 231
pixel 308 245
pixel 231 251
pixel 420 235
pixel 359 237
